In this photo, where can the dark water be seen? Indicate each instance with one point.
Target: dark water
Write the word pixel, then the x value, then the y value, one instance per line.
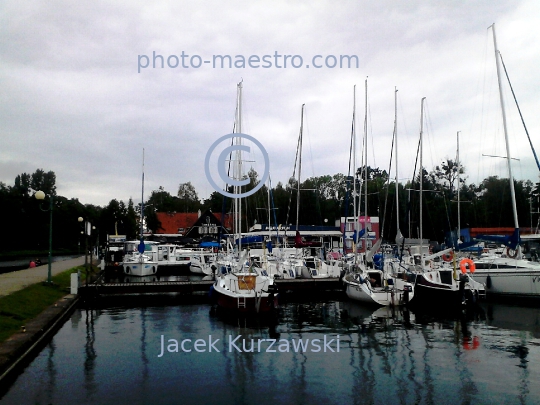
pixel 110 355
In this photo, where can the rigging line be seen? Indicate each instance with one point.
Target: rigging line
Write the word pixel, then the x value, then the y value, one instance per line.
pixel 429 133
pixel 370 126
pixel 347 180
pixel 224 201
pixel 519 110
pixel 484 92
pixel 288 183
pixel 476 98
pixel 306 126
pixel 447 211
pixel 273 210
pixel 388 180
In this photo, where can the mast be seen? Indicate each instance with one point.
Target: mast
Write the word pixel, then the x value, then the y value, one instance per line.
pixel 238 168
pixel 142 197
pixel 421 170
pixel 508 157
pixel 458 188
pixel 396 143
pixel 365 173
pixel 141 243
pixel 355 215
pixel 299 166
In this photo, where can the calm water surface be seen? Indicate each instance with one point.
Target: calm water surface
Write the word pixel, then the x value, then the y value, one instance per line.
pixel 111 355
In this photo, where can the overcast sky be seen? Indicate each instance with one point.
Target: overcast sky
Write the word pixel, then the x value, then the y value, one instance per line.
pixel 75 99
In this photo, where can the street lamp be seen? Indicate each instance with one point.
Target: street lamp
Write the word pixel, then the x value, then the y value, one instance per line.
pixel 87 231
pixel 40 195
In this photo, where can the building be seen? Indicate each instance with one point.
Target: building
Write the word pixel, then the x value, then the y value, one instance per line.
pixel 194 225
pixel 373 232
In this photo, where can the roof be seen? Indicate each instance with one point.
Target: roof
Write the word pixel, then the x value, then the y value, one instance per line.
pixel 172 222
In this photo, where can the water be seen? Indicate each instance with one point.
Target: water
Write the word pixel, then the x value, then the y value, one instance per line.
pixel 110 355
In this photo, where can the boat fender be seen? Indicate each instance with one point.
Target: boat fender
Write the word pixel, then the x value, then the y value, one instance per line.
pixel 467 264
pixel 447 257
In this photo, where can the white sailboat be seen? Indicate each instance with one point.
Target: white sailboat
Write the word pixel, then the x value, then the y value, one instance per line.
pixel 365 283
pixel 439 282
pixel 143 262
pixel 508 275
pixel 240 286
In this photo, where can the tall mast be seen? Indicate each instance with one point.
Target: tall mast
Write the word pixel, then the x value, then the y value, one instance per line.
pixel 238 167
pixel 396 143
pixel 299 166
pixel 458 189
pixel 421 170
pixel 142 199
pixel 508 157
pixel 355 215
pixel 365 174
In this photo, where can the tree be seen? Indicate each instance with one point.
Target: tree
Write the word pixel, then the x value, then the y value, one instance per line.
pixel 45 182
pixel 188 197
pixel 446 175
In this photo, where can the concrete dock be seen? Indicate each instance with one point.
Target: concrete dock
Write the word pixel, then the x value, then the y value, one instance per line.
pixel 188 287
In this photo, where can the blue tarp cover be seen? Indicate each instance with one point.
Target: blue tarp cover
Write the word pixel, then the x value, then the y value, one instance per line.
pixel 209 244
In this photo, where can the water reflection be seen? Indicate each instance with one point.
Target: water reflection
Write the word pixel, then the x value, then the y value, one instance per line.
pixel 90 355
pixel 386 356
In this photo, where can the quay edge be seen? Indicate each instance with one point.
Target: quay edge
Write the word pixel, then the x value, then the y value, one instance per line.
pixel 18 350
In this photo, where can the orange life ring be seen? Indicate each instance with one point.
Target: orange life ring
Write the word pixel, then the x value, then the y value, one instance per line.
pixel 447 257
pixel 467 264
pixel 512 255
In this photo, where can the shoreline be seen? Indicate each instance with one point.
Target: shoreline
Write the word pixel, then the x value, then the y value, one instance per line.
pixel 17 351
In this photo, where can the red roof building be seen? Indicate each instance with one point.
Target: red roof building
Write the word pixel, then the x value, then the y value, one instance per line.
pixel 181 222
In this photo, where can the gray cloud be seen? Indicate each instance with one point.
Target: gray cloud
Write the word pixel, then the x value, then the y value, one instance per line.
pixel 73 102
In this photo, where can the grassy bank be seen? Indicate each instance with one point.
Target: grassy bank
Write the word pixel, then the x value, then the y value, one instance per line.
pixel 21 306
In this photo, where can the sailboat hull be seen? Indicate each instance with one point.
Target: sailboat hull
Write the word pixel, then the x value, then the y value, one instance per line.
pixel 245 293
pixel 140 269
pixel 363 292
pixel 509 277
pixel 246 304
pixel 440 288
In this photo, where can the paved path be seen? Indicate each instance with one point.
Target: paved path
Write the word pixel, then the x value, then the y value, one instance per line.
pixel 17 280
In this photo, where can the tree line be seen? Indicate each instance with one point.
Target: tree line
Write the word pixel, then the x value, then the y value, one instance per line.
pixel 323 201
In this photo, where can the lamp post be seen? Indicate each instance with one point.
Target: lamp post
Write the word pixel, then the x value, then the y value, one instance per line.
pixel 40 195
pixel 87 231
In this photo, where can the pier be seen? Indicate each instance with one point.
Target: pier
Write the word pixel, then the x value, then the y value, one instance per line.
pixel 185 286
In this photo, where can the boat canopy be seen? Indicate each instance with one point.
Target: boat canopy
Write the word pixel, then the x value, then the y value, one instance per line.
pixel 209 244
pixel 512 241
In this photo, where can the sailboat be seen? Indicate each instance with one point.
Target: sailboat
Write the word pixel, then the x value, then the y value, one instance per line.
pixel 510 275
pixel 241 286
pixel 365 282
pixel 439 282
pixel 143 261
pixel 309 260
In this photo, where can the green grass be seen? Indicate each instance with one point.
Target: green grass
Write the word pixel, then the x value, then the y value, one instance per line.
pixel 21 306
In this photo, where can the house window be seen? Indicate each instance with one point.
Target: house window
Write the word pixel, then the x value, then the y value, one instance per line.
pixel 208 229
